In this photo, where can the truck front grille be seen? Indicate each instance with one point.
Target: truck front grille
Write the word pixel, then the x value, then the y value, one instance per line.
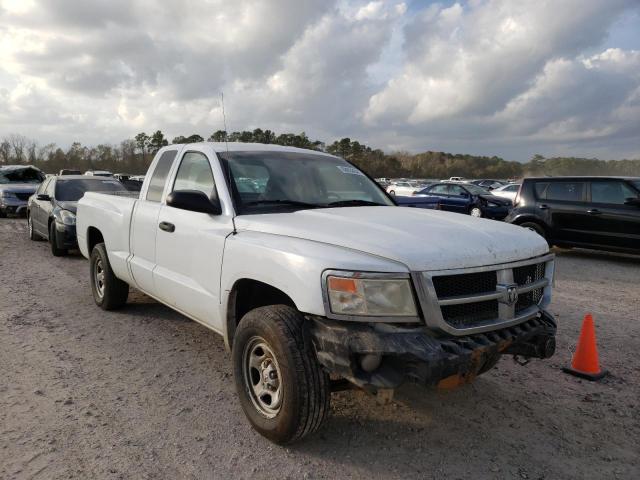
pixel 487 297
pixel 466 315
pixel 469 284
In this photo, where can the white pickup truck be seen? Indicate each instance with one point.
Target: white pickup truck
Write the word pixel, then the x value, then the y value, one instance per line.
pixel 314 276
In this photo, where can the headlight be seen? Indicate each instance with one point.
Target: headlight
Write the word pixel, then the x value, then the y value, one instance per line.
pixel 354 294
pixel 4 194
pixel 68 218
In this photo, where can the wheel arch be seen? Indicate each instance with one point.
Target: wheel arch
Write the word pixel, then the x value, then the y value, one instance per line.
pixel 247 294
pixel 94 237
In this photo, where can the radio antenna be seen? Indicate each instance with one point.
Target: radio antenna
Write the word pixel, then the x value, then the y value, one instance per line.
pixel 224 121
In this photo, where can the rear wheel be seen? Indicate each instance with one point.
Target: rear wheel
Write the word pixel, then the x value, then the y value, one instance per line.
pixel 3 214
pixel 392 192
pixel 57 252
pixel 539 229
pixel 109 292
pixel 535 227
pixel 283 390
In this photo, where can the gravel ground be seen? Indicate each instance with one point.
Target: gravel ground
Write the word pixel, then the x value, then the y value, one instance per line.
pixel 146 393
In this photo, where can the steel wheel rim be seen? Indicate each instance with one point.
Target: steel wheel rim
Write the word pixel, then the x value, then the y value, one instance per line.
pixel 476 212
pixel 98 277
pixel 262 378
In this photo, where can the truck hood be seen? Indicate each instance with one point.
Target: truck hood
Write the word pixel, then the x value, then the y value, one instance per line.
pixel 420 239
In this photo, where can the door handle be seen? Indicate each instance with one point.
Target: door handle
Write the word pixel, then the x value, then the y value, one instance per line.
pixel 594 211
pixel 543 207
pixel 167 227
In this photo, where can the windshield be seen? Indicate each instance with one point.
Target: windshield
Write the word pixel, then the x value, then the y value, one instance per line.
pixel 476 190
pixel 269 181
pixel 636 183
pixel 21 175
pixel 73 190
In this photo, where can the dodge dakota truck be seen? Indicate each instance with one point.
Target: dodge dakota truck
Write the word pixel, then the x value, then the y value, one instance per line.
pixel 315 278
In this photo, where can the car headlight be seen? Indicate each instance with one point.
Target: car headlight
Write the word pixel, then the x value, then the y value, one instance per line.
pixel 68 218
pixel 352 293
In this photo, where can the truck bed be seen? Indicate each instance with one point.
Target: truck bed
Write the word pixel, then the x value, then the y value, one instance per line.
pixel 111 214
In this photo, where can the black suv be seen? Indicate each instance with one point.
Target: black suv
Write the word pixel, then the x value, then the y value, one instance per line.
pixel 592 212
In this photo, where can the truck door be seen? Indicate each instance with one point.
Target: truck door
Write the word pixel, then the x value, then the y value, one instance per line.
pixel 190 244
pixel 144 226
pixel 565 202
pixel 614 222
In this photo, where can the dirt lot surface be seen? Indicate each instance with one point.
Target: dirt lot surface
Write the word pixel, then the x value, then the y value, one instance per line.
pixel 146 393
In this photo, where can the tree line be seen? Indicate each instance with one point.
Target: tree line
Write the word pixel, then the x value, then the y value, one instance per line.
pixel 134 155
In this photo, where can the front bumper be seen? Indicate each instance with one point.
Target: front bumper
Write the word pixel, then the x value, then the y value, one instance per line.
pixel 13 206
pixel 66 236
pixel 416 355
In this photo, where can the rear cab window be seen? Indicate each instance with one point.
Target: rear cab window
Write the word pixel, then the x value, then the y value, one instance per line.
pixel 159 176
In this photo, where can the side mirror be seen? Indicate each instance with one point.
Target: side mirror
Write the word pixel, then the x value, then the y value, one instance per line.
pixel 194 201
pixel 632 201
pixel 44 197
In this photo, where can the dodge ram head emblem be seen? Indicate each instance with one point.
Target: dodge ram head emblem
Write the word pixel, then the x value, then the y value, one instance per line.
pixel 509 294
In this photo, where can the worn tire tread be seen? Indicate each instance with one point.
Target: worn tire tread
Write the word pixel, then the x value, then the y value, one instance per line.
pixel 312 383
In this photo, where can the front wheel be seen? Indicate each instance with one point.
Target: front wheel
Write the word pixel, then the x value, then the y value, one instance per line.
pixel 55 251
pixel 283 390
pixel 476 212
pixel 32 234
pixel 109 292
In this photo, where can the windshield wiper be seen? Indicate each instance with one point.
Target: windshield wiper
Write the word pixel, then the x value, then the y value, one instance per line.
pixel 355 203
pixel 292 203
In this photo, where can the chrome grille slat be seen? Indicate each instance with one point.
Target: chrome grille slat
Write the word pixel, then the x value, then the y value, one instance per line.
pixel 465 301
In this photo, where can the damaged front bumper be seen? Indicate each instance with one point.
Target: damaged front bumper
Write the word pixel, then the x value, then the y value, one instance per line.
pixel 385 356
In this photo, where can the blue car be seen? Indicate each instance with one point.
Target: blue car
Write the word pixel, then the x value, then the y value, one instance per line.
pixel 468 199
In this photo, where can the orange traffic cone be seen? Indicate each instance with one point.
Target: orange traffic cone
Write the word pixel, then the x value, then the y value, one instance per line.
pixel 585 360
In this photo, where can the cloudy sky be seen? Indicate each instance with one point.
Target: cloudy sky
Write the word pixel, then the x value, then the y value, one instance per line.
pixel 504 77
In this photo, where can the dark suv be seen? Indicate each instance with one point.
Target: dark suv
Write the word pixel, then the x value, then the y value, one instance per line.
pixel 592 212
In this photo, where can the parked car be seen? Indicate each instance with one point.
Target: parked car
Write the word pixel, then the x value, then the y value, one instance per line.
pixel 593 212
pixel 431 203
pixel 51 212
pixel 69 171
pixel 508 191
pixel 98 173
pixel 401 188
pixel 467 198
pixel 454 179
pixel 322 275
pixel 17 184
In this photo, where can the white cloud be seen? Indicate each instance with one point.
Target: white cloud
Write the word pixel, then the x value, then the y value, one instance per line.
pixel 484 76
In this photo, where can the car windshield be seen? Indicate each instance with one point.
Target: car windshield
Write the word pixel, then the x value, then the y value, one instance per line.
pixel 73 190
pixel 21 175
pixel 475 189
pixel 272 180
pixel 636 183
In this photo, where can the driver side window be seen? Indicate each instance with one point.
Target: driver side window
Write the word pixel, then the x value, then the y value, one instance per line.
pixel 195 173
pixel 456 190
pixel 440 189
